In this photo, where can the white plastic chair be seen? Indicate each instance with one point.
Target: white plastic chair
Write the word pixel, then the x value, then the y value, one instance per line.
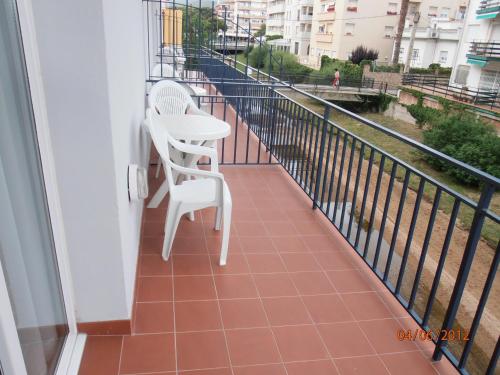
pixel 208 190
pixel 170 98
pixel 161 95
pixel 168 71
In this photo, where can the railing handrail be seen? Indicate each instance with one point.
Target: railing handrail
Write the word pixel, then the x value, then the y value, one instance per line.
pixel 483 176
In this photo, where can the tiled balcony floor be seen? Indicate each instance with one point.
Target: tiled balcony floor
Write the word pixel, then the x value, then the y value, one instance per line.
pixel 293 299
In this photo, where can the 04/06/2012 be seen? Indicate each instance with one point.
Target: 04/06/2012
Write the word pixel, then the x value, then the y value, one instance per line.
pixel 423 335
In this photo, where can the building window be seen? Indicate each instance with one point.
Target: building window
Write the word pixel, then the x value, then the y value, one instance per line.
pixel 352 6
pixel 415 56
pixel 489 80
pixel 443 57
pixel 349 28
pixel 401 55
pixel 462 74
pixel 393 9
pixel 433 12
pixel 461 13
pixel 445 13
pixel 296 51
pixel 389 30
pixel 321 29
pixel 412 9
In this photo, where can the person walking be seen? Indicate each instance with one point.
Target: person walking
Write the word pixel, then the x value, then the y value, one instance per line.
pixel 336 79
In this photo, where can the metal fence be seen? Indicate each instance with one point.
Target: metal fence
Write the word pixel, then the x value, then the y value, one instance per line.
pixel 407 226
pixel 375 200
pixel 440 85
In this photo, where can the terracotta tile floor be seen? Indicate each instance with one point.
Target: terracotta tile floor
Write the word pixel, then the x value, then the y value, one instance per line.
pixel 294 298
pixel 286 303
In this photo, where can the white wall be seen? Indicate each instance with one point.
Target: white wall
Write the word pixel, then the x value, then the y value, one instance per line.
pixel 92 68
pixel 126 88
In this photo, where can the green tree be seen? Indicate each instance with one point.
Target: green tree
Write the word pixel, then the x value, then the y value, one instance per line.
pixel 464 137
pixel 261 31
pixel 210 25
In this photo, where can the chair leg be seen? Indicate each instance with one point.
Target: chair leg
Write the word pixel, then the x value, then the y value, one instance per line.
pixel 158 167
pixel 227 208
pixel 159 195
pixel 218 218
pixel 171 224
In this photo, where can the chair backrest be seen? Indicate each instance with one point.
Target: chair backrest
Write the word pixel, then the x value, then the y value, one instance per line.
pixel 160 137
pixel 168 97
pixel 164 71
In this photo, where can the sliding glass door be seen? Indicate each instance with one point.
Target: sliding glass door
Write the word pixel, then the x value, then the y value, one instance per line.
pixel 30 273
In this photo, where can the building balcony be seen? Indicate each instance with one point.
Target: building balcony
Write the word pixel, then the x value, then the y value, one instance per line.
pixel 324 37
pixel 275 22
pixel 276 8
pixel 304 34
pixel 342 257
pixel 305 18
pixel 326 16
pixel 293 297
pixel 481 53
pixel 488 9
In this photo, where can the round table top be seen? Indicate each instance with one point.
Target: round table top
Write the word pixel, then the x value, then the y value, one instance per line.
pixel 196 127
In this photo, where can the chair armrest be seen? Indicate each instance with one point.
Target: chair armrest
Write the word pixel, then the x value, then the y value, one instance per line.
pixel 198 150
pixel 197 172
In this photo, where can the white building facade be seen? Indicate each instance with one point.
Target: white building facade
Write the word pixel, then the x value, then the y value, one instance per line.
pixel 434 44
pixel 478 60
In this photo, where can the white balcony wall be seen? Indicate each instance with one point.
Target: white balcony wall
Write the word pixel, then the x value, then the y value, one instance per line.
pixel 92 60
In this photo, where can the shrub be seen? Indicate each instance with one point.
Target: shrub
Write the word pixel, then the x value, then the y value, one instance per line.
pixel 248 50
pixel 467 139
pixel 325 60
pixel 348 71
pixel 424 115
pixel 258 55
pixel 361 53
pixel 273 37
pixel 291 70
pixel 387 68
pixel 432 69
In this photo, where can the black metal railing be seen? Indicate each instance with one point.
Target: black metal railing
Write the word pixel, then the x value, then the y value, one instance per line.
pixel 485 49
pixel 422 239
pixel 440 85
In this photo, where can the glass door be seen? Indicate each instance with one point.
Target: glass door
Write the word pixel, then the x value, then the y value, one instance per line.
pixel 29 266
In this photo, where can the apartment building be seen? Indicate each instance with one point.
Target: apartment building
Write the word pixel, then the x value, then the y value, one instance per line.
pixel 293 20
pixel 298 27
pixel 431 10
pixel 438 32
pixel 247 14
pixel 275 17
pixel 478 59
pixel 435 44
pixel 340 26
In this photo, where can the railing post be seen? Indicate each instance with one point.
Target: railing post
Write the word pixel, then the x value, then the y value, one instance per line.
pixel 236 44
pixel 326 116
pixel 465 265
pixel 270 63
pixel 212 43
pixel 281 69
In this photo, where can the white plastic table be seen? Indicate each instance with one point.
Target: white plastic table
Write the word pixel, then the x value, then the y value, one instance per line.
pixel 190 128
pixel 195 128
